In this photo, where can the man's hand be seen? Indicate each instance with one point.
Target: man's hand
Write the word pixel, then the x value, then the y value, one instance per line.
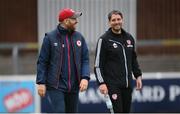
pixel 83 85
pixel 103 89
pixel 139 83
pixel 41 89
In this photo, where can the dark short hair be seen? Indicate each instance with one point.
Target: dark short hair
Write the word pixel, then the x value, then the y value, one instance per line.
pixel 116 12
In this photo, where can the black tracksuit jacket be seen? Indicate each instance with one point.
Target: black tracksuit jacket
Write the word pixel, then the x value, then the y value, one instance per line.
pixel 116 59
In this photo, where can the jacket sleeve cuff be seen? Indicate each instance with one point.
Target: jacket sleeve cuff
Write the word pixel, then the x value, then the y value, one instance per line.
pixel 39 83
pixel 101 83
pixel 138 76
pixel 86 77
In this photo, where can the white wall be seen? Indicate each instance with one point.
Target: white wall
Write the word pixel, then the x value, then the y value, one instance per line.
pixel 94 20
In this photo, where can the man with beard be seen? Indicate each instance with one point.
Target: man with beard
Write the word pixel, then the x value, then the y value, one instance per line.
pixel 115 62
pixel 63 64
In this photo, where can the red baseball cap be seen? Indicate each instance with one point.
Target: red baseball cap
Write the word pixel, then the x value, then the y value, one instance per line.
pixel 68 13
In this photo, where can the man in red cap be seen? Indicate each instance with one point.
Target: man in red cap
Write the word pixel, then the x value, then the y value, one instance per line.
pixel 63 64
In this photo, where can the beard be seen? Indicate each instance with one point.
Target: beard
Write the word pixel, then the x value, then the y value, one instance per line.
pixel 116 28
pixel 72 27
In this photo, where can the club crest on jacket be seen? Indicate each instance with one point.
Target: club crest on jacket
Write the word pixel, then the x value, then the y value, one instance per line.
pixel 78 43
pixel 115 45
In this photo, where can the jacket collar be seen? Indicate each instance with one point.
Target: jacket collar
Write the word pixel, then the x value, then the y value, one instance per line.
pixel 112 33
pixel 62 30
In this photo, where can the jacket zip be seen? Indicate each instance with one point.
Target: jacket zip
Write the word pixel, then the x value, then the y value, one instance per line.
pixel 74 54
pixel 58 76
pixel 69 65
pixel 60 64
pixel 125 63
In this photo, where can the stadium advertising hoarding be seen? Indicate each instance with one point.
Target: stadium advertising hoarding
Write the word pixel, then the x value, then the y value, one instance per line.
pixel 17 95
pixel 160 93
pixel 157 95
